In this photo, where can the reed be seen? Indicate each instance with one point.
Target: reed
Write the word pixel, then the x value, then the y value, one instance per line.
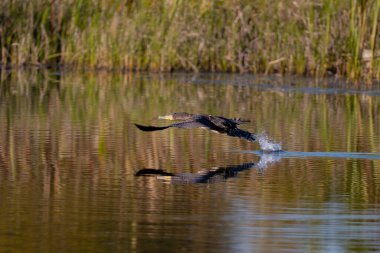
pixel 292 37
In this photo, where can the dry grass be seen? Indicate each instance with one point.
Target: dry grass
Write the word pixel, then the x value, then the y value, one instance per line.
pixel 301 37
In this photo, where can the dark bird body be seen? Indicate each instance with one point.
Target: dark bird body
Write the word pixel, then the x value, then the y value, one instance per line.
pixel 217 124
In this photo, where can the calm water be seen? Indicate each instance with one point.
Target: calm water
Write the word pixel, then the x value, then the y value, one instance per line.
pixel 69 153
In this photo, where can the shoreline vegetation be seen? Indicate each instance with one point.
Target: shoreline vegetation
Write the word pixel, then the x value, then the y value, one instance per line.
pixel 318 38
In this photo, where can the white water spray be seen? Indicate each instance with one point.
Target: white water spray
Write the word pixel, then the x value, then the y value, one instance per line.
pixel 266 144
pixel 267 159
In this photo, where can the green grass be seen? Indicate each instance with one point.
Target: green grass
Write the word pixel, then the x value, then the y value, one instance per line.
pixel 287 37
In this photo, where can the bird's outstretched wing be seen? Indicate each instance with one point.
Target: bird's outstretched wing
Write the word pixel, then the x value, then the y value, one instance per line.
pixel 185 124
pixel 242 134
pixel 191 124
pixel 152 172
pixel 150 128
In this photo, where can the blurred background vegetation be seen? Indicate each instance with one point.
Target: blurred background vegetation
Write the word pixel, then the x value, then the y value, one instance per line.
pixel 289 36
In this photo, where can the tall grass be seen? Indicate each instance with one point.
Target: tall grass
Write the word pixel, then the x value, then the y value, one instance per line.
pixel 301 37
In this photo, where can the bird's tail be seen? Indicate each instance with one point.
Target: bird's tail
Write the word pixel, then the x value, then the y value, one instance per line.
pixel 150 128
pixel 242 134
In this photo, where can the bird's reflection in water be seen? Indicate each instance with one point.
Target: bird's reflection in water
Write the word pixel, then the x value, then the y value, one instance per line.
pixel 213 175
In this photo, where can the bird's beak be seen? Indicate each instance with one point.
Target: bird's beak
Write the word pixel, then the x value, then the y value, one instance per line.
pixel 169 117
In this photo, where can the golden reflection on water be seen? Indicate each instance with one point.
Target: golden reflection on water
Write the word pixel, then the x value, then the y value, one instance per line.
pixel 69 152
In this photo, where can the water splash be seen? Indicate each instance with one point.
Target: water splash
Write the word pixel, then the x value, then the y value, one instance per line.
pixel 266 144
pixel 267 159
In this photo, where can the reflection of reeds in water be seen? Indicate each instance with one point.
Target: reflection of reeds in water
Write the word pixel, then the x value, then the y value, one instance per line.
pixel 239 36
pixel 84 125
pixel 69 150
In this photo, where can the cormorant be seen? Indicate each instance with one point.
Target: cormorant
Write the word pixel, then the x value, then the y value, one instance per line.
pixel 217 124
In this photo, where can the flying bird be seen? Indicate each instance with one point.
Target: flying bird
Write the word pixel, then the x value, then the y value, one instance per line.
pixel 217 124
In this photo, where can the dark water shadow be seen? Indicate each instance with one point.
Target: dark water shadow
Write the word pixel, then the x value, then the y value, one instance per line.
pixel 216 174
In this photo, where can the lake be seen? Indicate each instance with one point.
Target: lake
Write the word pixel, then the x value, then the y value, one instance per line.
pixel 70 157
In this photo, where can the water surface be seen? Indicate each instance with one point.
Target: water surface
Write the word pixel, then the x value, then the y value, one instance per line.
pixel 69 153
